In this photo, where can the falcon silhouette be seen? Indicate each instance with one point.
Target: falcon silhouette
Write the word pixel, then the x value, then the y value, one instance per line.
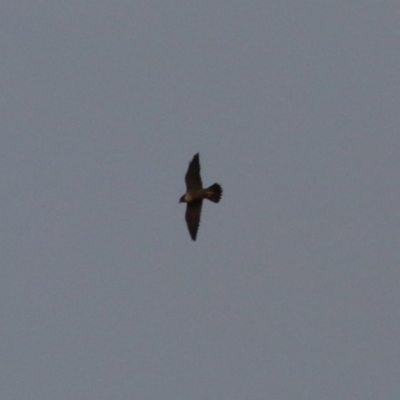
pixel 195 194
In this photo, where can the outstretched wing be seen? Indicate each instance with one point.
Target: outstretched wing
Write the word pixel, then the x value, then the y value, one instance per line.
pixel 193 211
pixel 192 177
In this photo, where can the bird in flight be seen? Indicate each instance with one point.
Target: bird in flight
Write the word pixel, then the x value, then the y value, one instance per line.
pixel 195 194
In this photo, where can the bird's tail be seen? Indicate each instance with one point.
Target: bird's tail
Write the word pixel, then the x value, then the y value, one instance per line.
pixel 214 193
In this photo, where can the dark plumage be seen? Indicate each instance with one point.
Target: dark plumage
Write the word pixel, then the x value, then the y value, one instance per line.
pixel 195 194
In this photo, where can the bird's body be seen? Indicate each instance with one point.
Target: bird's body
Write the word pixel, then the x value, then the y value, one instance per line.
pixel 195 194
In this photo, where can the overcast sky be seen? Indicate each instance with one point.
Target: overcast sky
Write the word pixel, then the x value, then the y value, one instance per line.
pixel 291 290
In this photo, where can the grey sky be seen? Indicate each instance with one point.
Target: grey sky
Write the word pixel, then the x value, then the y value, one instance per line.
pixel 291 290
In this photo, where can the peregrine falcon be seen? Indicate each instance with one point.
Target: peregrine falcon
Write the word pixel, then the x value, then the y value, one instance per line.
pixel 195 194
